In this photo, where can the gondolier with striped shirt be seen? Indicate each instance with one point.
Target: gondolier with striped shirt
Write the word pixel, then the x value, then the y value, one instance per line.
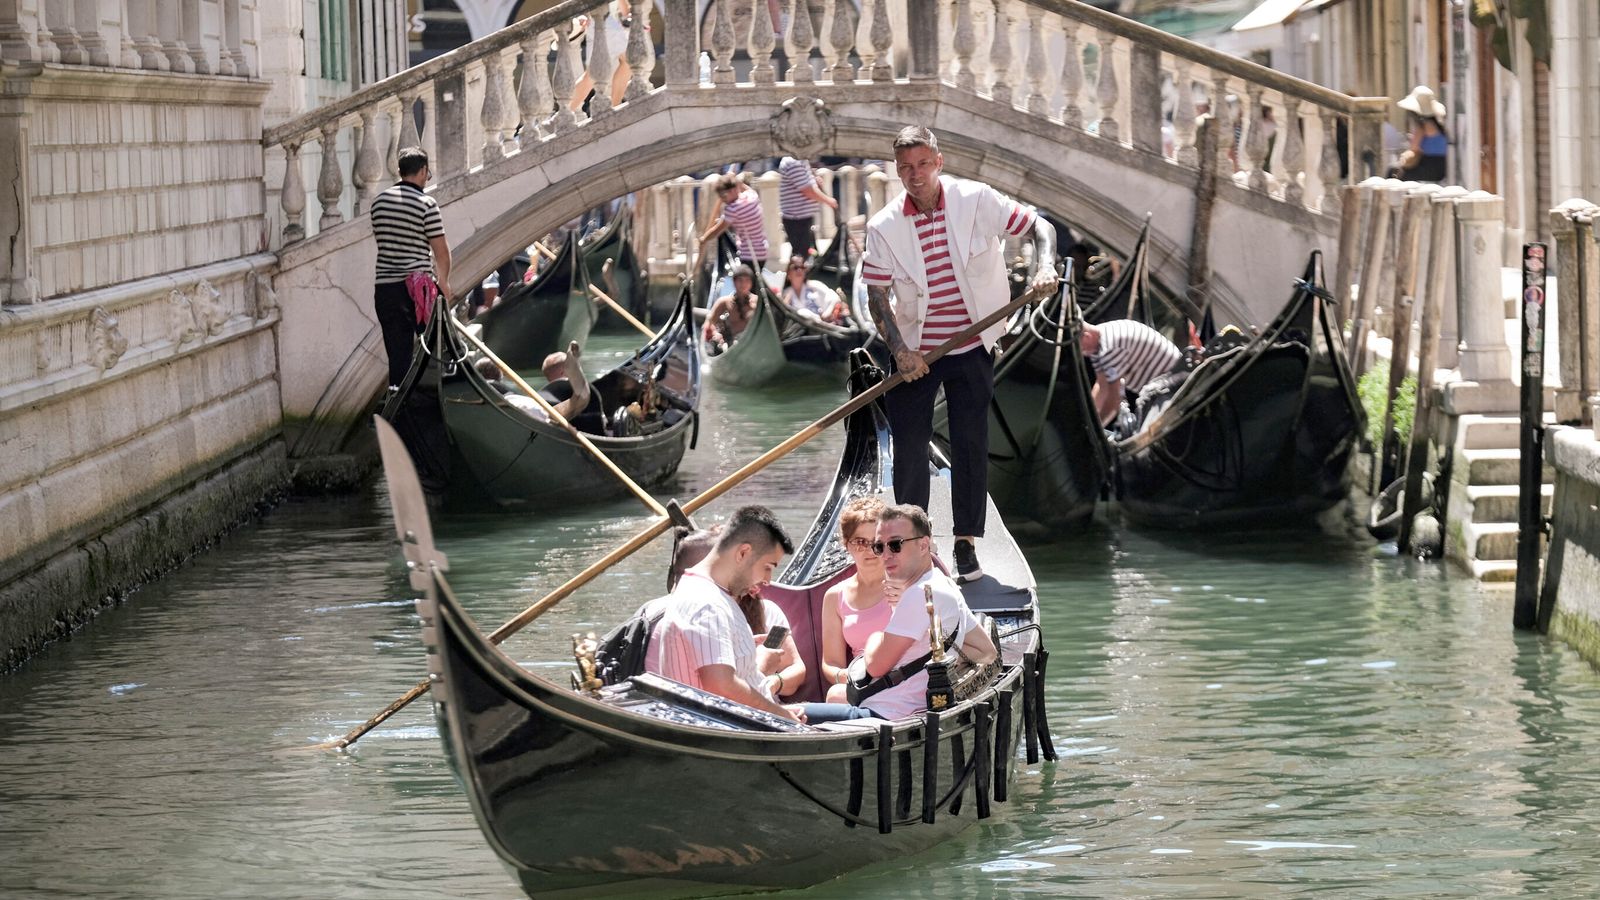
pixel 410 236
pixel 741 211
pixel 1126 356
pixel 933 265
pixel 799 198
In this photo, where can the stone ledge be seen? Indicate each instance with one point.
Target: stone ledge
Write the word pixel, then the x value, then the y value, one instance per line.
pixel 59 81
pixel 1574 452
pixel 51 601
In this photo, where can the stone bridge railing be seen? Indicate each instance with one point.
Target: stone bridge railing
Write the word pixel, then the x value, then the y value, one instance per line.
pixel 1060 60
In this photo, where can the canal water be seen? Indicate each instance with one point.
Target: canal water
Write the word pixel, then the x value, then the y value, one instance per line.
pixel 1237 716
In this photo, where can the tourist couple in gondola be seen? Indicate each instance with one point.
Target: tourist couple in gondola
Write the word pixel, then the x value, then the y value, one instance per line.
pixel 710 632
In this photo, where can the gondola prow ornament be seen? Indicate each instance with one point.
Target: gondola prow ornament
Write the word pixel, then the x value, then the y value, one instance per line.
pixel 941 695
pixel 587 678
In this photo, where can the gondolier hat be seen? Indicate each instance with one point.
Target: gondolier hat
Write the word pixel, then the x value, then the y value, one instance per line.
pixel 1422 102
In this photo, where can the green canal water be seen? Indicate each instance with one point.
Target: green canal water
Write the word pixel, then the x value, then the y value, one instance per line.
pixel 1237 716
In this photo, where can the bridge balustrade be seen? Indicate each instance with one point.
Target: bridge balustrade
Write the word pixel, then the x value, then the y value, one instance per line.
pixel 1071 64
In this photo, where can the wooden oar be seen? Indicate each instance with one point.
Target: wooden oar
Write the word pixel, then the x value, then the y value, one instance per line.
pixel 561 420
pixel 619 310
pixel 661 524
pixel 544 251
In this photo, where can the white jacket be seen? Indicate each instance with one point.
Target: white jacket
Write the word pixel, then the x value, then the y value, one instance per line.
pixel 975 221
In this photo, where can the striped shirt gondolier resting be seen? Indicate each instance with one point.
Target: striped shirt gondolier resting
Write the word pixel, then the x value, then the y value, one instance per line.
pixel 1134 352
pixel 743 215
pixel 794 176
pixel 404 219
pixel 947 314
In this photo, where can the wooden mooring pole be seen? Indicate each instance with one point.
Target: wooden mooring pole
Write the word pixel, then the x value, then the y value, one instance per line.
pixel 1530 518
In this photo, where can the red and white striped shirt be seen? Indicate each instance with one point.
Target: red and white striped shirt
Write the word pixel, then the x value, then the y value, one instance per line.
pixel 947 313
pixel 743 215
pixel 702 626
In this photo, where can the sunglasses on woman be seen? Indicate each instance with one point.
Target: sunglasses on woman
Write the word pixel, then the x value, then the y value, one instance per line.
pixel 859 543
pixel 893 545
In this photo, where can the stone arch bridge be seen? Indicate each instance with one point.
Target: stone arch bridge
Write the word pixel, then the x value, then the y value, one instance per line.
pixel 1077 111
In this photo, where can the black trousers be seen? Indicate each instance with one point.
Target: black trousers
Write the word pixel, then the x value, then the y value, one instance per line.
pixel 801 239
pixel 397 316
pixel 968 382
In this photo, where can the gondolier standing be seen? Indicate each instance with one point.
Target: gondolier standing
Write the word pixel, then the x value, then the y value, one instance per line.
pixel 410 236
pixel 934 265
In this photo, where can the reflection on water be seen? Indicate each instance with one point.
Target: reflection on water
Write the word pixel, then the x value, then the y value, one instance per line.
pixel 1237 716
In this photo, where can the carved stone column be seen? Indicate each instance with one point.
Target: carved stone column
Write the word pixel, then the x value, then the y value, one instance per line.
pixel 882 36
pixel 842 37
pixel 1294 152
pixel 1071 75
pixel 1255 144
pixel 1000 55
pixel 564 78
pixel 492 115
pixel 1328 165
pixel 369 163
pixel 534 102
pixel 292 197
pixel 330 182
pixel 1037 63
pixel 1183 113
pixel 601 65
pixel 762 40
pixel 641 57
pixel 964 42
pixel 799 41
pixel 1105 89
pixel 722 44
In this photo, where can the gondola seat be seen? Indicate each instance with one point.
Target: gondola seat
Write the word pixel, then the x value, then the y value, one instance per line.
pixel 803 607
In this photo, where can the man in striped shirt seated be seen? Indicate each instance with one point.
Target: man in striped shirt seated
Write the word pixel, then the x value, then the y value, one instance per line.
pixel 798 199
pixel 741 211
pixel 703 639
pixel 934 265
pixel 1126 356
pixel 410 236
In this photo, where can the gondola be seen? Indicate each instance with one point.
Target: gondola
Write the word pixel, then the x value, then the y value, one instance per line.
pixel 650 785
pixel 833 266
pixel 1259 433
pixel 535 318
pixel 624 279
pixel 501 453
pixel 1048 457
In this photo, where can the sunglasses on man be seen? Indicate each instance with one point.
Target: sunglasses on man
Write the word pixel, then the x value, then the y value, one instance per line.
pixel 893 545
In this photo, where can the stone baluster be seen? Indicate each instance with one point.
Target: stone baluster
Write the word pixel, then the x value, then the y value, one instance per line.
pixel 1485 357
pixel 827 219
pixel 601 65
pixel 1037 63
pixel 1224 117
pixel 1255 142
pixel 842 38
pixel 1328 164
pixel 330 182
pixel 965 43
pixel 428 136
pixel 534 100
pixel 640 54
pixel 1071 75
pixel 408 121
pixel 492 115
pixel 659 245
pixel 722 44
pixel 1000 54
pixel 761 43
pixel 391 154
pixel 686 227
pixel 882 38
pixel 1294 152
pixel 1105 88
pixel 564 80
pixel 797 43
pixel 1183 114
pixel 292 197
pixel 368 170
pixel 877 189
pixel 849 194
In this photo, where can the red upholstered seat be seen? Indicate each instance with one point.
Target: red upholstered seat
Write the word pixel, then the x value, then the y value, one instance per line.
pixel 803 606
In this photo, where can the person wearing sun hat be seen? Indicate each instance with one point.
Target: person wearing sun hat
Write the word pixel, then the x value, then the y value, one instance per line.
pixel 1427 157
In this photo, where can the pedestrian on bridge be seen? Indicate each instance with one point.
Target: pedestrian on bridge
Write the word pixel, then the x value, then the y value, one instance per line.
pixel 410 235
pixel 934 264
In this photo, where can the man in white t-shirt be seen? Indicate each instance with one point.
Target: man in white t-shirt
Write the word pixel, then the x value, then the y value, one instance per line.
pixel 904 541
pixel 703 639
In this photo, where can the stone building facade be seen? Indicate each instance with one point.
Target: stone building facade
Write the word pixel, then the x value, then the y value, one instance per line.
pixel 139 397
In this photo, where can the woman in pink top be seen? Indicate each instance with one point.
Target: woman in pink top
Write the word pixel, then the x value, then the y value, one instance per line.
pixel 854 609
